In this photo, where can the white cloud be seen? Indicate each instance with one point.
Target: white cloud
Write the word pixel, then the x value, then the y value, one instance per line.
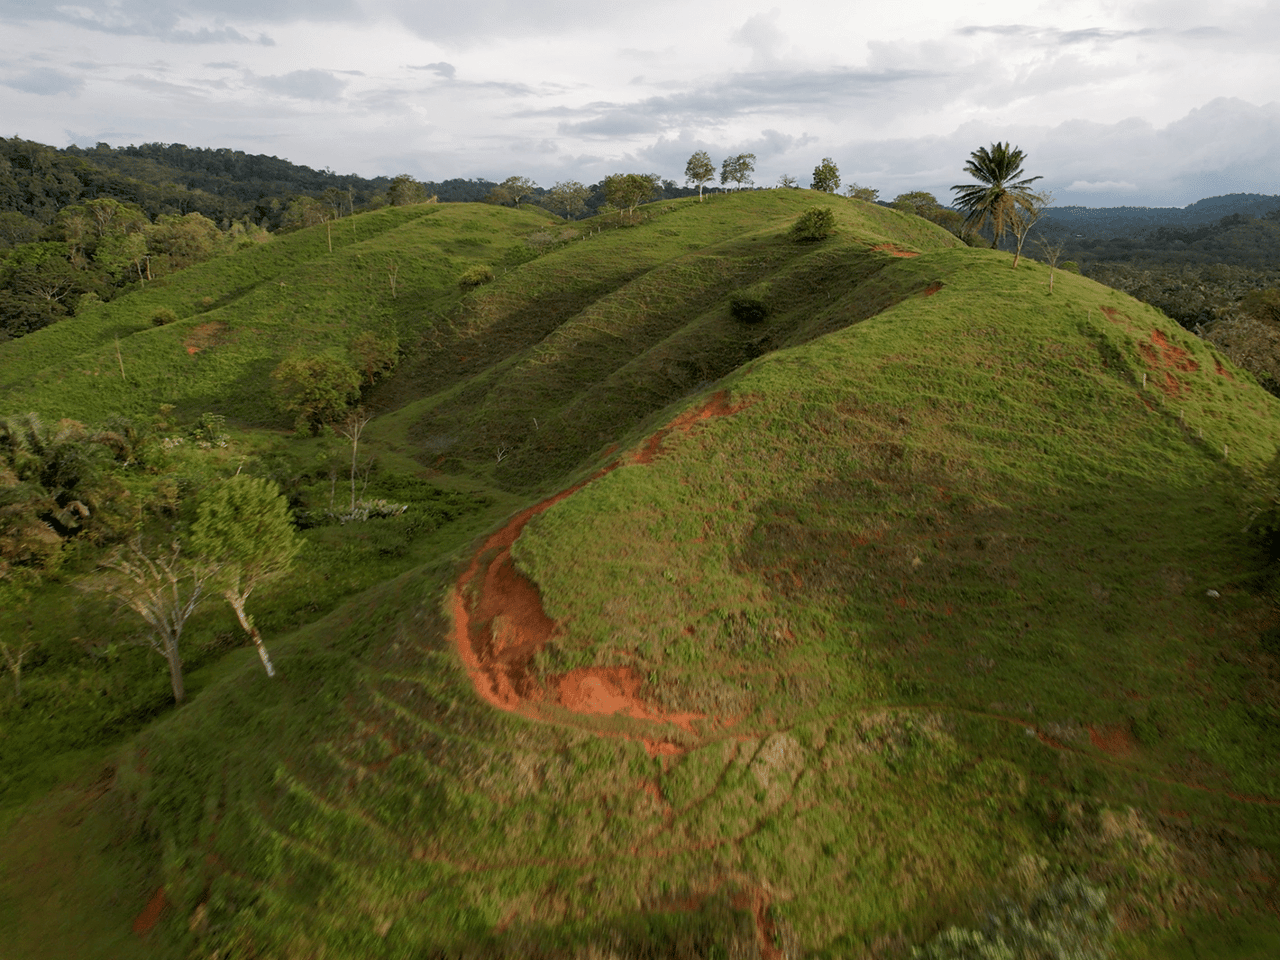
pixel 1110 98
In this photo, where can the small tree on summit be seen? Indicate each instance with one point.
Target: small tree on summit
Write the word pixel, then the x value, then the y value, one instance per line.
pixel 245 533
pixel 738 169
pixel 826 176
pixel 512 190
pixel 994 198
pixel 699 170
pixel 626 191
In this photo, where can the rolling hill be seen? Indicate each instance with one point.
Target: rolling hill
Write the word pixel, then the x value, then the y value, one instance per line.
pixel 808 636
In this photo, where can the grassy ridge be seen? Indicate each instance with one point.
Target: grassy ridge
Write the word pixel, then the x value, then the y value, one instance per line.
pixel 945 571
pixel 241 314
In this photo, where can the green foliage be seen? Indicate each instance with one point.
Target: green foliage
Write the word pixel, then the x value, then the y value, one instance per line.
pixel 405 190
pixel 626 191
pixel 1068 921
pixel 998 194
pixel 317 390
pixel 826 176
pixel 748 309
pixel 375 356
pixel 512 191
pixel 1070 266
pixel 738 169
pixel 816 223
pixel 1262 304
pixel 476 276
pixel 567 198
pixel 244 528
pixel 163 315
pixel 699 170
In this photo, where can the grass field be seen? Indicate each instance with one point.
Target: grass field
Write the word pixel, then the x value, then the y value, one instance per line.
pixel 805 637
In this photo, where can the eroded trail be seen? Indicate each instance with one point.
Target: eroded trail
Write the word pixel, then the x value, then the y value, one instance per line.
pixel 500 625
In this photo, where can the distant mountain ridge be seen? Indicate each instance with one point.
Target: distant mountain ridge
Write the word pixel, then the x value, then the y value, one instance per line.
pixel 1107 222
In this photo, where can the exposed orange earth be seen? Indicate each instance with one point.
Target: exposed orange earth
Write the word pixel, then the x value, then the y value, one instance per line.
pixel 499 623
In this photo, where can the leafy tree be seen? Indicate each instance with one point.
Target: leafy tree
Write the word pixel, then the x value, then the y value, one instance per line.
pixel 699 170
pixel 626 191
pixel 163 589
pixel 317 390
pixel 16 228
pixel 305 212
pixel 998 193
pixel 816 223
pixel 405 190
pixel 375 355
pixel 245 533
pixel 826 176
pixel 568 197
pixel 738 169
pixel 925 205
pixel 512 190
pixel 856 192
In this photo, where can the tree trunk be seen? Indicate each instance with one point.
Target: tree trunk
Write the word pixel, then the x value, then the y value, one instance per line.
pixel 237 602
pixel 175 671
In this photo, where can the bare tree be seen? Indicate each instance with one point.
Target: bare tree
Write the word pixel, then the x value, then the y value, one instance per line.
pixel 1024 214
pixel 163 589
pixel 352 428
pixel 1053 249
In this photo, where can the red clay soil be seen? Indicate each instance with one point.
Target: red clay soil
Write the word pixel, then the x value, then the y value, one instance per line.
pixel 1162 356
pixel 890 249
pixel 499 624
pixel 1113 314
pixel 716 406
pixel 1112 740
pixel 150 914
pixel 932 288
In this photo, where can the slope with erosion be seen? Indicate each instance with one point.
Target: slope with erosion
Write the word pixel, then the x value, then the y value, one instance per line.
pixel 911 612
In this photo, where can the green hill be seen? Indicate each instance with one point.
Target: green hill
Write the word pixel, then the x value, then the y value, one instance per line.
pixel 809 636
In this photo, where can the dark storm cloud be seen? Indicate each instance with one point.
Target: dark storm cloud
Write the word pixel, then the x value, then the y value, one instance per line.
pixel 44 81
pixel 304 85
pixel 737 95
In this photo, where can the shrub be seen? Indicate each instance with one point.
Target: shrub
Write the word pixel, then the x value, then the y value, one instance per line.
pixel 1068 920
pixel 748 309
pixel 1070 266
pixel 318 390
pixel 475 277
pixel 816 223
pixel 162 315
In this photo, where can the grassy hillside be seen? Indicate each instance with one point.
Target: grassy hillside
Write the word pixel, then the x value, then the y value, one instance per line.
pixel 806 637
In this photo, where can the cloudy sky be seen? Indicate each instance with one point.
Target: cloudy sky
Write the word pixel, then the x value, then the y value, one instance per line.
pixel 1113 101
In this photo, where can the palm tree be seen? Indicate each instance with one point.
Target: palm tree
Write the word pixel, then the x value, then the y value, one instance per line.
pixel 993 200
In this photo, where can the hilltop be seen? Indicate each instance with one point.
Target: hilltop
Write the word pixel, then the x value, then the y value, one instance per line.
pixel 812 628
